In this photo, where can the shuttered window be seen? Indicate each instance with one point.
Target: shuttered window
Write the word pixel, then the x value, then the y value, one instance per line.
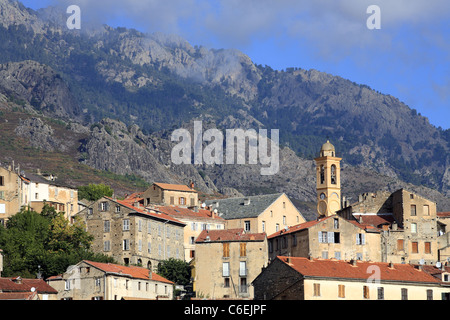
pixel 226 250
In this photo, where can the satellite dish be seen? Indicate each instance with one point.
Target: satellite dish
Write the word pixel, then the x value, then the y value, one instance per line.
pixel 203 205
pixel 33 289
pixel 422 262
pixel 438 265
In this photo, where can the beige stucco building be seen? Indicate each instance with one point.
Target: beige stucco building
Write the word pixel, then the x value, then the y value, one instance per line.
pixel 256 214
pixel 226 263
pixel 90 280
pixel 328 237
pixel 298 278
pixel 133 236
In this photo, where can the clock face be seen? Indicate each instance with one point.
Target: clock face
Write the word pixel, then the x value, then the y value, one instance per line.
pixel 322 196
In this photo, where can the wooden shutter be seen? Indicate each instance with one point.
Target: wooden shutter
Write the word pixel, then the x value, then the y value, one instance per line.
pixel 226 250
pixel 243 249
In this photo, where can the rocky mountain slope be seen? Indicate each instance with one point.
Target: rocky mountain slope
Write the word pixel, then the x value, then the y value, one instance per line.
pixel 87 81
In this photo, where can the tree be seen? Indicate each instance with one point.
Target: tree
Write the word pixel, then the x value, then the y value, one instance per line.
pixel 93 192
pixel 175 270
pixel 44 242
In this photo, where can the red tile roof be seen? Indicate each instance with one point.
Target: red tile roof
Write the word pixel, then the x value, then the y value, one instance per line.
pixel 330 268
pixel 375 220
pixel 229 235
pixel 155 215
pixel 132 271
pixel 25 285
pixel 443 214
pixel 180 212
pixel 175 187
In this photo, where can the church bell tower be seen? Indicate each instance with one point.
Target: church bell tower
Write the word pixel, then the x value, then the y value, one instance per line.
pixel 328 168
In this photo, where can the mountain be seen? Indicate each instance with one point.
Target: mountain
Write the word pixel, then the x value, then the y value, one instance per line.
pixel 109 98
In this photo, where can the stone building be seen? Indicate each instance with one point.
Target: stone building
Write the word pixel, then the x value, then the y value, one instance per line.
pixel 408 221
pixel 10 193
pixel 227 261
pixel 255 214
pixel 88 280
pixel 328 237
pixel 131 235
pixel 170 194
pixel 298 278
pixel 196 221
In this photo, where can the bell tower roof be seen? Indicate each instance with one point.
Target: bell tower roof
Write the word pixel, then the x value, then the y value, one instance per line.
pixel 327 149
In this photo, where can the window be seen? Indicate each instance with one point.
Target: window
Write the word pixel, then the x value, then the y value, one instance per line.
pixel 247 225
pixel 2 195
pixel 413 227
pixel 284 220
pixel 429 294
pixel 117 209
pixel 366 292
pixel 126 225
pixel 400 245
pixel 380 293
pixel 404 294
pixel 317 289
pixel 172 200
pixel 243 285
pixel 277 227
pixel 294 240
pixel 226 250
pixel 226 282
pixel 242 268
pixel 427 247
pixel 140 245
pixel 243 249
pixel 263 226
pixel 341 291
pixel 337 255
pixel 225 269
pixel 413 210
pixel 106 226
pixel 361 239
pixel 336 223
pixel 67 285
pixel 149 227
pixel 126 244
pixel 192 202
pixel 324 254
pixel 103 206
pixel 2 180
pixel 426 210
pixel 414 247
pixel 329 237
pixel 182 200
pixel 107 245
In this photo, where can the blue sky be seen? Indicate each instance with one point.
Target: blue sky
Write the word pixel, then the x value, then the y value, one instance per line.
pixel 408 58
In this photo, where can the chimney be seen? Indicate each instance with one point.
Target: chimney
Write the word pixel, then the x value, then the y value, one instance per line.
pixel 419 267
pixel 191 184
pixel 246 201
pixel 391 265
pixel 353 262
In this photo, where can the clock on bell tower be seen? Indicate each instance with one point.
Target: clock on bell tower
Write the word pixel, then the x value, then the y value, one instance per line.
pixel 328 185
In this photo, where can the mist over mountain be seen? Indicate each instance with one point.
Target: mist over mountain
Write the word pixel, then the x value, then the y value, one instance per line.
pixel 116 95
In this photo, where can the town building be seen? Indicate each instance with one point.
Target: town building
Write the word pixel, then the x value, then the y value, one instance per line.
pixel 408 220
pixel 327 237
pixel 131 235
pixel 170 194
pixel 227 261
pixel 10 193
pixel 18 288
pixel 256 214
pixel 88 280
pixel 196 220
pixel 299 278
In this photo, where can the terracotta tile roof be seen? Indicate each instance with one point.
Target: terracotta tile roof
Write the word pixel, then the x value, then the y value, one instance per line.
pixel 375 220
pixel 180 212
pixel 132 271
pixel 330 268
pixel 443 214
pixel 17 295
pixel 229 235
pixel 25 285
pixel 298 227
pixel 155 215
pixel 176 187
